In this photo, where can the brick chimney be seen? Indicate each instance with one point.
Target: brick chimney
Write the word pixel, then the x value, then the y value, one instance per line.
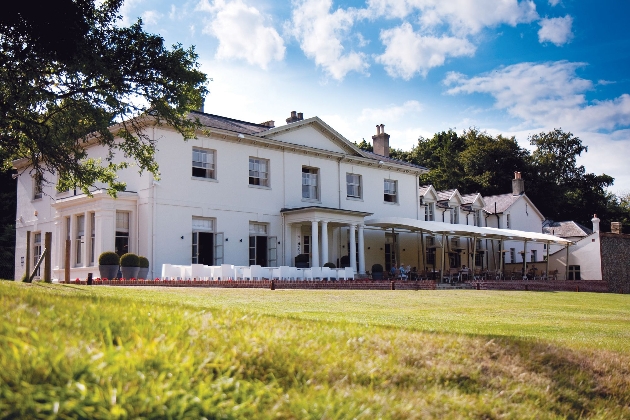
pixel 295 116
pixel 518 185
pixel 615 227
pixel 595 221
pixel 381 141
pixel 270 123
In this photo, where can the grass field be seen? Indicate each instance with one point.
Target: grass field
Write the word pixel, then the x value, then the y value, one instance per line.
pixel 109 352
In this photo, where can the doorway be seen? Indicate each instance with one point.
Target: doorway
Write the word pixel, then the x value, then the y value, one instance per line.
pixel 258 250
pixel 203 248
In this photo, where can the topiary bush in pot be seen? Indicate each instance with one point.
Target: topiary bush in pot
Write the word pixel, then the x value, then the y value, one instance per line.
pixel 377 272
pixel 130 265
pixel 144 267
pixel 108 263
pixel 330 265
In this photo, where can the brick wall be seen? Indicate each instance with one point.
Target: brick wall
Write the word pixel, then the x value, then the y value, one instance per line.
pixel 266 284
pixel 544 286
pixel 616 261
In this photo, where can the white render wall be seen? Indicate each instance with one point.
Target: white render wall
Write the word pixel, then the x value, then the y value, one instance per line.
pixel 586 253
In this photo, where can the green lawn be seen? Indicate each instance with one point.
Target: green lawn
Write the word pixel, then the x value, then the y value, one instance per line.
pixel 105 352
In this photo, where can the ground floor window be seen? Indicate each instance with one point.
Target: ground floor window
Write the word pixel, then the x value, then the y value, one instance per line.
pixel 92 236
pixel 37 251
pixel 574 272
pixel 391 251
pixel 80 239
pixel 207 245
pixel 258 246
pixel 122 233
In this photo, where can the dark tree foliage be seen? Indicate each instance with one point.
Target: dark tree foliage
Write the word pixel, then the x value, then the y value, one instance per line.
pixel 562 189
pixel 69 75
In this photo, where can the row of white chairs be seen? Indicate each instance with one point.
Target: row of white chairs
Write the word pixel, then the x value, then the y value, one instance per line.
pixel 253 272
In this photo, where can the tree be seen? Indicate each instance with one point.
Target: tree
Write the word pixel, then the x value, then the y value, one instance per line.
pixel 89 82
pixel 561 189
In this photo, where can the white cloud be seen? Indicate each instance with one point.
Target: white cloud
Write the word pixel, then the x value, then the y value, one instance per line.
pixel 556 30
pixel 151 17
pixel 548 94
pixel 129 17
pixel 408 53
pixel 391 113
pixel 554 2
pixel 243 33
pixel 463 17
pixel 321 35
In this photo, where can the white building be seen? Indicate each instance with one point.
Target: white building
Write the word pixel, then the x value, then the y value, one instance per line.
pixel 241 193
pixel 244 193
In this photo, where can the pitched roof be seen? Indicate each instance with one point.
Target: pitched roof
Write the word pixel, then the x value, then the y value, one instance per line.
pixel 446 195
pixel 566 229
pixel 503 202
pixel 469 198
pixel 229 124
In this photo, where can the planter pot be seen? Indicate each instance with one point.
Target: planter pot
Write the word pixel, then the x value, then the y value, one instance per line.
pixel 377 276
pixel 143 272
pixel 108 271
pixel 130 272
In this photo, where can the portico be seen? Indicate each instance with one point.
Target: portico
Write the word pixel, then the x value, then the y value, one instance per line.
pixel 339 228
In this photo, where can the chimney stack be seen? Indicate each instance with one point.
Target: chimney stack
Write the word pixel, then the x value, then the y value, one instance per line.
pixel 595 221
pixel 295 116
pixel 270 123
pixel 381 141
pixel 518 185
pixel 615 227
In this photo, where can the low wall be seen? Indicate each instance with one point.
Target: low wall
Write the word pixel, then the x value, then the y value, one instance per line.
pixel 598 286
pixel 276 284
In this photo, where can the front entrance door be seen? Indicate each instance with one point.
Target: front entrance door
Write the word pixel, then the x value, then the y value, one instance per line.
pixel 206 248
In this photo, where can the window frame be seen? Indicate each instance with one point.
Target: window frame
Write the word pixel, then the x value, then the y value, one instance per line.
pixel 122 230
pixel 267 178
pixel 38 190
pixel 210 173
pixel 391 182
pixel 312 171
pixel 358 185
pixel 429 212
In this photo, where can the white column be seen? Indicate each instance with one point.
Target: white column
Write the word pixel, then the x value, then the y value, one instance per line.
pixel 361 251
pixel 353 247
pixel 324 242
pixel 315 243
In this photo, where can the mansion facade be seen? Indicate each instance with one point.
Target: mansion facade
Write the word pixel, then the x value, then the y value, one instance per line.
pixel 245 194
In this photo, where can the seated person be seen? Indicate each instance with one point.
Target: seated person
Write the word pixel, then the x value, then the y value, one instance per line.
pixel 403 272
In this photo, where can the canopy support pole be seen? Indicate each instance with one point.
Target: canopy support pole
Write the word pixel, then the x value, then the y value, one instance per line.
pixel 442 270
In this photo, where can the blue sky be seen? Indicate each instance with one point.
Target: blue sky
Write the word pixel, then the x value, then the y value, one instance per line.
pixel 515 67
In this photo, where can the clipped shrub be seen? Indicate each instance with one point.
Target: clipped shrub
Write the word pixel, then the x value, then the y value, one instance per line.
pixel 330 265
pixel 129 260
pixel 143 262
pixel 108 258
pixel 377 268
pixel 302 258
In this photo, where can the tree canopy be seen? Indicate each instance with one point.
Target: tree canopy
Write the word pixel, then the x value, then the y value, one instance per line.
pixel 70 75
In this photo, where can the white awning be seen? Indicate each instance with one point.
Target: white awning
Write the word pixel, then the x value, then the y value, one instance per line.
pixel 438 228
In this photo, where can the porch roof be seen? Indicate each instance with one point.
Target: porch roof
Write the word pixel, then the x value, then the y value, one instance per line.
pixel 448 229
